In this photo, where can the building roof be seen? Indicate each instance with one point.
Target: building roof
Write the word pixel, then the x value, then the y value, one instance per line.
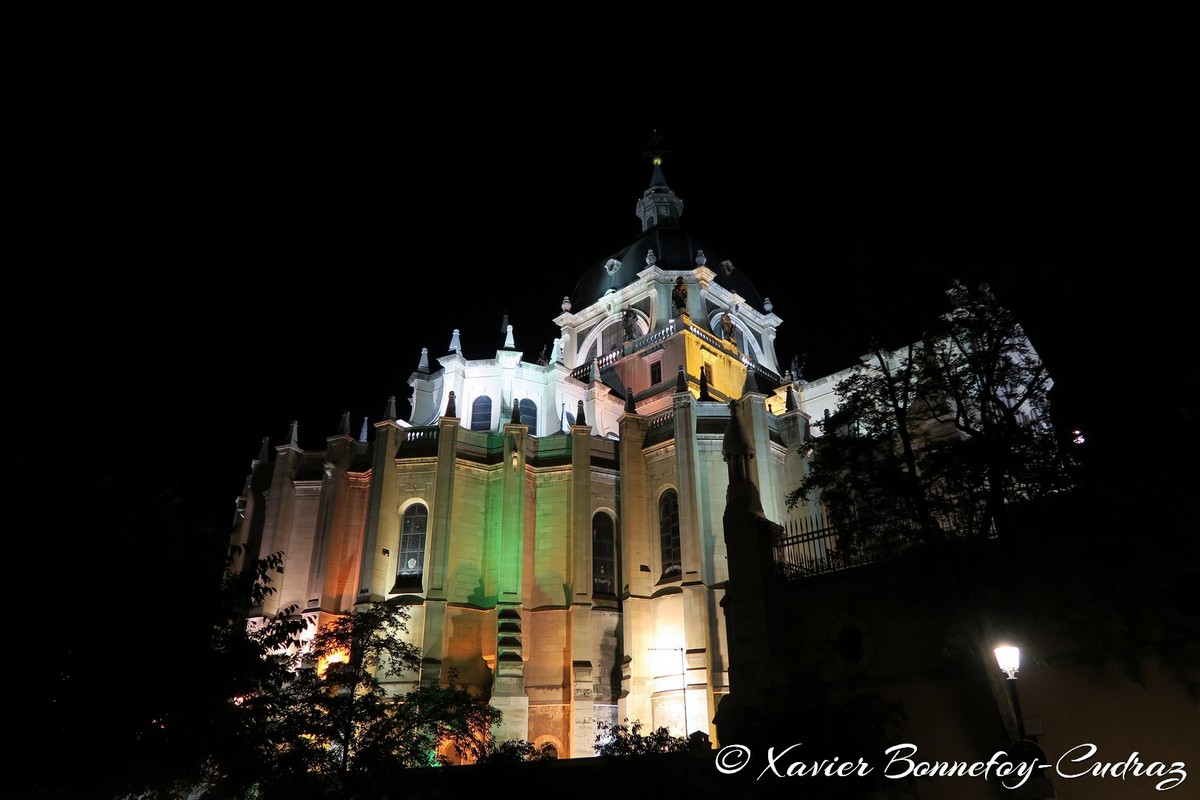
pixel 663 243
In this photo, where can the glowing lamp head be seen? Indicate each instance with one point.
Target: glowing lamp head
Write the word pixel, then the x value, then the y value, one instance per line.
pixel 338 657
pixel 1009 659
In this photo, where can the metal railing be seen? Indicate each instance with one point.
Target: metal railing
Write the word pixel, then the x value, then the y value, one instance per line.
pixel 813 545
pixel 810 546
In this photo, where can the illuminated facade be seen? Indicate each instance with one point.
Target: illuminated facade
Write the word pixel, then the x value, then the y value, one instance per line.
pixel 557 527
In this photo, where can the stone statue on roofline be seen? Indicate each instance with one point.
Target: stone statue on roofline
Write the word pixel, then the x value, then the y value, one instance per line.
pixel 679 296
pixel 727 326
pixel 797 370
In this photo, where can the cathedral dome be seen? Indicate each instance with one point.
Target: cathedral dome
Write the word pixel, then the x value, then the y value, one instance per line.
pixel 663 243
pixel 668 249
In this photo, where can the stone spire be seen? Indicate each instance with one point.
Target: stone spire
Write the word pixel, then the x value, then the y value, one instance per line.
pixel 455 344
pixel 629 404
pixel 680 381
pixel 294 434
pixel 451 411
pixel 509 343
pixel 751 384
pixel 704 395
pixel 390 411
pixel 659 207
pixel 580 418
pixel 516 415
pixel 362 434
pixel 423 364
pixel 264 453
pixel 344 425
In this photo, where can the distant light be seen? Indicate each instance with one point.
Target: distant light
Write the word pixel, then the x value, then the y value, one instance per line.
pixel 337 657
pixel 1009 659
pixel 1077 437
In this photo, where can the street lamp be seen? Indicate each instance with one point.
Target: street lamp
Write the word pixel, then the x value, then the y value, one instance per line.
pixel 1009 659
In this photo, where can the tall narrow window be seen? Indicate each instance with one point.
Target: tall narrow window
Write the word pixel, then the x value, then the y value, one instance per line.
pixel 603 557
pixel 529 415
pixel 412 549
pixel 481 414
pixel 668 531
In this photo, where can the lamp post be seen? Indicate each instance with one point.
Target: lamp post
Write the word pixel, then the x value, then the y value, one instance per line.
pixel 1009 659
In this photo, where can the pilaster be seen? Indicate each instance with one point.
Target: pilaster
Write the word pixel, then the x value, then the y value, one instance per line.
pixel 442 513
pixel 635 508
pixel 383 521
pixel 687 460
pixel 278 526
pixel 580 546
pixel 583 717
pixel 508 685
pixel 512 515
pixel 433 649
pixel 251 511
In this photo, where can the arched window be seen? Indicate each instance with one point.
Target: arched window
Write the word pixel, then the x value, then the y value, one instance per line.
pixel 529 415
pixel 481 414
pixel 668 531
pixel 607 337
pixel 613 337
pixel 604 573
pixel 412 549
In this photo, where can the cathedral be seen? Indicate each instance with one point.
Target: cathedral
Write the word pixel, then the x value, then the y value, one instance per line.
pixel 555 527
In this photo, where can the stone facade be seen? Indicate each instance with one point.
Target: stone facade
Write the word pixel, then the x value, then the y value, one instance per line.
pixel 555 527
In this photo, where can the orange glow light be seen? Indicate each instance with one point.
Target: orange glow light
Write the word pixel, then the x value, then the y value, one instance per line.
pixel 340 657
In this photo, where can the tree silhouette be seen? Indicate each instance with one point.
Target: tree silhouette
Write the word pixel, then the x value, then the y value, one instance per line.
pixel 946 449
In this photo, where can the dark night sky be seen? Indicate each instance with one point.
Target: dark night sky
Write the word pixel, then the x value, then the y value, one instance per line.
pixel 223 249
